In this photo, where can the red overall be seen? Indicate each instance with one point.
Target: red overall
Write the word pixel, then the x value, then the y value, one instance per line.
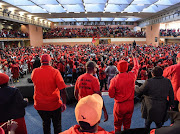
pixel 122 90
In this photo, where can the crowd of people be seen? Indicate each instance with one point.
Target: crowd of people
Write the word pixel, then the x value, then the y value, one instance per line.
pixel 118 65
pixel 10 33
pixel 170 32
pixel 102 31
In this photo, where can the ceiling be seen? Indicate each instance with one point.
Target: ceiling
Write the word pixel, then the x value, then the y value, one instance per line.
pixel 92 10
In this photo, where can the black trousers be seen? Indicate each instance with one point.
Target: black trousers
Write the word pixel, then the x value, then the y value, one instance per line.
pixel 102 83
pixel 47 116
pixel 148 124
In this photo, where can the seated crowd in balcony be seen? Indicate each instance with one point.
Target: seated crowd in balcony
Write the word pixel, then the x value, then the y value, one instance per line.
pixel 9 33
pixel 93 32
pixel 170 32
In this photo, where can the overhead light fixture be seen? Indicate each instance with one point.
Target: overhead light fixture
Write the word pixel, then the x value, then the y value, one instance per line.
pixel 67 12
pixel 60 4
pixel 21 24
pixel 112 12
pixel 11 24
pixel 5 21
pixel 139 12
pixel 106 4
pixel 85 12
pixel 76 12
pixel 129 12
pixel 122 12
pixel 49 13
pixel 103 11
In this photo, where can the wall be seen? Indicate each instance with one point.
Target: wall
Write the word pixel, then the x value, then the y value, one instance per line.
pixel 74 41
pixel 152 31
pixel 25 28
pixel 36 35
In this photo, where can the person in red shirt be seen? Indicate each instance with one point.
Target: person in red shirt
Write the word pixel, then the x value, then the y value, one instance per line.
pixel 48 83
pixel 87 84
pixel 122 90
pixel 143 73
pixel 102 76
pixel 173 73
pixel 88 113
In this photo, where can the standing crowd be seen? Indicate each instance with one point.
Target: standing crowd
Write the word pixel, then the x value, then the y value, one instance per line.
pixel 121 65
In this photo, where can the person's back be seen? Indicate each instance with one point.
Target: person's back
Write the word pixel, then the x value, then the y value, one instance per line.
pixel 155 92
pixel 124 83
pixel 175 117
pixel 173 73
pixel 36 63
pixel 87 84
pixel 46 91
pixel 12 104
pixel 47 101
pixel 122 90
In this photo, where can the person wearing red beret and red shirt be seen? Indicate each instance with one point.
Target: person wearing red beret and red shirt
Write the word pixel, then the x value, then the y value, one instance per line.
pixel 48 83
pixel 173 128
pixel 122 90
pixel 173 73
pixel 12 105
pixel 87 84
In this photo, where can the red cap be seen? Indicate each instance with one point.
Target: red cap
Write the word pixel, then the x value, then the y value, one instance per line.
pixel 1 131
pixel 122 66
pixel 178 55
pixel 178 94
pixel 4 78
pixel 45 58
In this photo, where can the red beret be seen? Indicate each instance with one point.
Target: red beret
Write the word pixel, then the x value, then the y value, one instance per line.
pixel 45 58
pixel 4 78
pixel 2 131
pixel 178 94
pixel 122 66
pixel 178 55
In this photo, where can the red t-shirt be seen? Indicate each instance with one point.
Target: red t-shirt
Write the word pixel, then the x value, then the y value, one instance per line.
pixel 87 84
pixel 102 74
pixel 47 83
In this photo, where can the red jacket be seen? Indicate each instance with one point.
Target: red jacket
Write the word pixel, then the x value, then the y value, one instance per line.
pixel 75 130
pixel 173 73
pixel 122 86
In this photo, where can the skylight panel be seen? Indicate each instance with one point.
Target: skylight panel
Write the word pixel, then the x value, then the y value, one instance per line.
pixel 33 9
pixel 94 7
pixel 54 8
pixel 69 2
pixel 19 2
pixel 74 8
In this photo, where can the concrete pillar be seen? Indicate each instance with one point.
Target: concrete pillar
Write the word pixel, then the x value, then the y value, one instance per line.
pixel 152 34
pixel 35 35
